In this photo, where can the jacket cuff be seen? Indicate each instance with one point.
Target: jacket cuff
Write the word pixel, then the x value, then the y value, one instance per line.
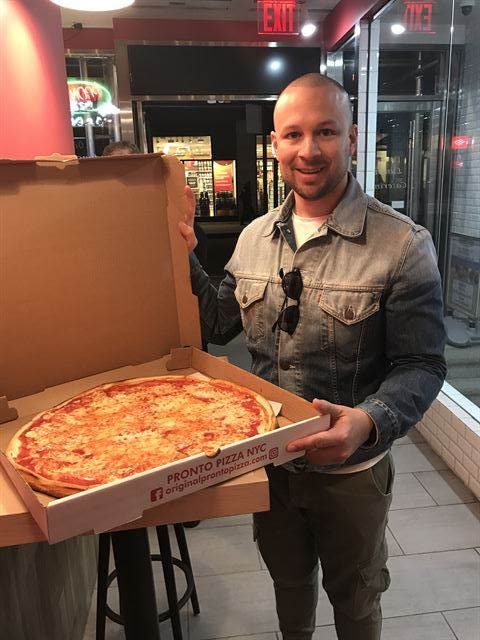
pixel 194 262
pixel 385 423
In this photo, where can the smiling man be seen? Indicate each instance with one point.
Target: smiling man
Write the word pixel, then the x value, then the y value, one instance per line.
pixel 313 151
pixel 341 302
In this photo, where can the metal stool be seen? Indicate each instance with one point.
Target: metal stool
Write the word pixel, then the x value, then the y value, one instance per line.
pixel 165 557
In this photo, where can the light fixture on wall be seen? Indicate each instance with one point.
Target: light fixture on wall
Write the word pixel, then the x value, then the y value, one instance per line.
pixel 93 5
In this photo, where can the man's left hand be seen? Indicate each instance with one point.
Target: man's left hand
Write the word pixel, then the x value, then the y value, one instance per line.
pixel 349 429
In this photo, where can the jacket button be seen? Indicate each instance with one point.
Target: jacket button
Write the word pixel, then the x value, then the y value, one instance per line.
pixel 284 364
pixel 348 314
pixel 245 298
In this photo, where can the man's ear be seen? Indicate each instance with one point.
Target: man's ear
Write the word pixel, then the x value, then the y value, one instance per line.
pixel 273 137
pixel 353 135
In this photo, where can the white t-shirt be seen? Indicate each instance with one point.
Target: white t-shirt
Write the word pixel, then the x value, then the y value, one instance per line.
pixel 304 229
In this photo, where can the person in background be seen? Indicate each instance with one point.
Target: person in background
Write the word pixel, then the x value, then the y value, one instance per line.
pixel 341 302
pixel 120 148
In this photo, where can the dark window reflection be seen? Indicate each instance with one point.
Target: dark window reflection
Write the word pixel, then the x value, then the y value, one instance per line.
pixel 409 72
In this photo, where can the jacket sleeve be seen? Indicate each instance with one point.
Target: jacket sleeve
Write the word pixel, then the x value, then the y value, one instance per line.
pixel 414 339
pixel 219 310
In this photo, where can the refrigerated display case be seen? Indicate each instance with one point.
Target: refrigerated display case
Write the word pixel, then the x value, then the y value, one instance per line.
pixel 224 187
pixel 212 181
pixel 268 177
pixel 196 154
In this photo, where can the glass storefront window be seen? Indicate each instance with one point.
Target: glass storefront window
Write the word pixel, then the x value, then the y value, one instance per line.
pixel 461 230
pixel 410 72
pixel 93 129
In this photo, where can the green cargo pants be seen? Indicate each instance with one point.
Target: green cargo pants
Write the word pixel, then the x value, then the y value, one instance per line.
pixel 341 520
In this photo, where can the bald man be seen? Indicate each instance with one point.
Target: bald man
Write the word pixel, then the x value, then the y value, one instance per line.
pixel 341 302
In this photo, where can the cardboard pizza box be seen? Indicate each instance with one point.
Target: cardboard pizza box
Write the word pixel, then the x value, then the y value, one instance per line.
pixel 95 287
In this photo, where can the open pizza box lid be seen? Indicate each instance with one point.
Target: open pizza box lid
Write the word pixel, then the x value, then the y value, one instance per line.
pixel 95 286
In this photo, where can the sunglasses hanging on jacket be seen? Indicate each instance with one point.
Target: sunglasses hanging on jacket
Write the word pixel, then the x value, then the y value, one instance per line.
pixel 289 316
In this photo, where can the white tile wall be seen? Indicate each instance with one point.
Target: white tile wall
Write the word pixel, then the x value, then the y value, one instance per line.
pixel 455 437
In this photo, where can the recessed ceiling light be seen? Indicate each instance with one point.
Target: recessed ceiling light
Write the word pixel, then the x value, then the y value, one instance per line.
pixel 275 65
pixel 308 29
pixel 397 29
pixel 93 5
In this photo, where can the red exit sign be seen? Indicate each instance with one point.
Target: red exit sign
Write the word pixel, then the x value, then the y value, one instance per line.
pixel 418 16
pixel 277 16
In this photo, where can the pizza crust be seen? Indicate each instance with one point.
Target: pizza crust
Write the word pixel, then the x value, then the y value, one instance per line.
pixel 59 489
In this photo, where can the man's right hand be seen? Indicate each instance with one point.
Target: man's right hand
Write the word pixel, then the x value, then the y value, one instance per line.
pixel 186 227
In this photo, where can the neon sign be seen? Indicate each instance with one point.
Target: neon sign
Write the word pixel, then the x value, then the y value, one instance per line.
pixel 90 103
pixel 277 16
pixel 460 142
pixel 418 16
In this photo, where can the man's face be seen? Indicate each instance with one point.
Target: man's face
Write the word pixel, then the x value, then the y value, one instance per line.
pixel 313 140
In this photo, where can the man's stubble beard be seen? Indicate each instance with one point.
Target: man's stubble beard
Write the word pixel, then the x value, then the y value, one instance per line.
pixel 329 186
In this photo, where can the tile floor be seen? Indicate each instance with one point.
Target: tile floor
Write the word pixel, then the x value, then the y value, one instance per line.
pixel 434 543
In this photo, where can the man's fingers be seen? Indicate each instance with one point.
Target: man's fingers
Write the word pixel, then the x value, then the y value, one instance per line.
pixel 190 205
pixel 188 235
pixel 322 406
pixel 320 440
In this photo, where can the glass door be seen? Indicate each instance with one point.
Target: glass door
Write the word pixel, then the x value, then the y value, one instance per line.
pixel 406 163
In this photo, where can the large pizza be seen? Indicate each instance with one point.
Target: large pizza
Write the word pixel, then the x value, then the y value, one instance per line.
pixel 122 428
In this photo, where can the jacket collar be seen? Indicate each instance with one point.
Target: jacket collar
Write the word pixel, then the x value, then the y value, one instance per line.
pixel 347 219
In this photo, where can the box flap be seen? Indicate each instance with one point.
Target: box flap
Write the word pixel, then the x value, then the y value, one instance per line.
pixel 93 272
pixel 7 413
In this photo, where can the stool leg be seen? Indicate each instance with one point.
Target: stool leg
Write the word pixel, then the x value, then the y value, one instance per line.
pixel 136 588
pixel 169 575
pixel 102 587
pixel 185 556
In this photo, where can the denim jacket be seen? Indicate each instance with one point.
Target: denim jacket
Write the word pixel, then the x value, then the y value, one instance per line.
pixel 371 332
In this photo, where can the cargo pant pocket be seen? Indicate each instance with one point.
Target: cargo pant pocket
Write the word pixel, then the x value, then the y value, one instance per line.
pixel 383 474
pixel 373 579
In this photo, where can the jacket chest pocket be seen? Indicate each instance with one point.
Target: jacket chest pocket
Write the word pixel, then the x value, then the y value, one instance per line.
pixel 250 295
pixel 347 316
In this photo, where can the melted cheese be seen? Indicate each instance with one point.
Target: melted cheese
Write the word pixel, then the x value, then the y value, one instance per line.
pixel 116 430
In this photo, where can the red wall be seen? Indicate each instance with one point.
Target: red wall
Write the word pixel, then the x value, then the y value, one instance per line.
pixel 344 17
pixel 34 107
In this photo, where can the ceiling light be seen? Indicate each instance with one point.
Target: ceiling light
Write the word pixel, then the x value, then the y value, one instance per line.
pixel 397 29
pixel 273 44
pixel 308 29
pixel 93 5
pixel 275 65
